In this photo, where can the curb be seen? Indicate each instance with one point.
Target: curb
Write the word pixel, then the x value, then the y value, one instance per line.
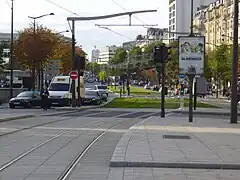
pixel 204 113
pixel 175 165
pixel 16 118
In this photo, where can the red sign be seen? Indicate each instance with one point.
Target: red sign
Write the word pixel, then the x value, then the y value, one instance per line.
pixel 73 75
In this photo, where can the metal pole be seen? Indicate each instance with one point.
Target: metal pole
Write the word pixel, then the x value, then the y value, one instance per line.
pixel 73 65
pixel 42 75
pixel 11 54
pixel 33 61
pixel 163 89
pixel 191 34
pixel 234 102
pixel 195 95
pixel 191 77
pixel 79 86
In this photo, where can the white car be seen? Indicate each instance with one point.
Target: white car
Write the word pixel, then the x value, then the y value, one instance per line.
pixel 102 89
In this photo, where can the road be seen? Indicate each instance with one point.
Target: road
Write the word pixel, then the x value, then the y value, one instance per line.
pixel 46 147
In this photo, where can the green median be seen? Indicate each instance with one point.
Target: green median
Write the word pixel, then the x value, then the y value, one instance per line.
pixel 151 103
pixel 135 90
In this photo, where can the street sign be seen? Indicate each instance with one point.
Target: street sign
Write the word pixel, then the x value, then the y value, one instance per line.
pixel 191 54
pixel 73 75
pixel 181 78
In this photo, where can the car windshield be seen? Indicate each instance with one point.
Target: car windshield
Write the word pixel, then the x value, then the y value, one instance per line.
pixel 102 87
pixel 58 87
pixel 90 93
pixel 26 94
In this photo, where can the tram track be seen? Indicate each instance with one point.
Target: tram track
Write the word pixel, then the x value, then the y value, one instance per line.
pixel 32 149
pixel 67 173
pixel 42 124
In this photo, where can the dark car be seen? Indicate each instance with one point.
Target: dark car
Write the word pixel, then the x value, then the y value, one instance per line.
pixel 103 96
pixel 92 97
pixel 26 99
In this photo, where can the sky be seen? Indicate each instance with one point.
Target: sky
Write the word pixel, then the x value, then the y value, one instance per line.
pixel 87 33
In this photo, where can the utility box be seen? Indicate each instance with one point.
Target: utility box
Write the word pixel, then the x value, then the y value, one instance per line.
pixel 201 86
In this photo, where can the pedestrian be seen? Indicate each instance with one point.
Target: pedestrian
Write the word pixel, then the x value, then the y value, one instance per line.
pixel 44 96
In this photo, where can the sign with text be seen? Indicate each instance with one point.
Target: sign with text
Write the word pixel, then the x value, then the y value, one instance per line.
pixel 191 54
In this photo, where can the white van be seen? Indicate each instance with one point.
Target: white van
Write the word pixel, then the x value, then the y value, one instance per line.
pixel 60 90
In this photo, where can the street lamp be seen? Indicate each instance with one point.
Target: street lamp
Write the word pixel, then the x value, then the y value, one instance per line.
pixel 33 61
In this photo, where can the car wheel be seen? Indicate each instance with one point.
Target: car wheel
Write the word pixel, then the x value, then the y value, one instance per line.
pixel 29 105
pixel 11 106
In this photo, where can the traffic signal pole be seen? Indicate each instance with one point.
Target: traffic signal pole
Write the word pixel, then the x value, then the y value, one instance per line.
pixel 160 56
pixel 163 90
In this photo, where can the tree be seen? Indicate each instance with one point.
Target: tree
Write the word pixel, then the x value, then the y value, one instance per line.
pixel 139 37
pixel 224 64
pixel 32 49
pixel 210 65
pixel 2 55
pixel 63 51
pixel 136 54
pixel 102 75
pixel 93 67
pixel 119 57
pixel 172 65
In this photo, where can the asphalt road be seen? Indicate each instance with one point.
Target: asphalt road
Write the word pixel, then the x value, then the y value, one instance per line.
pixel 46 147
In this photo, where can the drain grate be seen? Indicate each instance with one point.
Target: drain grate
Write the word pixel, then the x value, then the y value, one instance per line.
pixel 176 137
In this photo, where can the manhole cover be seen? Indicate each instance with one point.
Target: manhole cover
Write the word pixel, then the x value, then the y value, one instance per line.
pixel 176 137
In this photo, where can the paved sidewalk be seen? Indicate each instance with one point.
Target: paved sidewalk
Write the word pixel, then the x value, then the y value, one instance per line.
pixel 213 144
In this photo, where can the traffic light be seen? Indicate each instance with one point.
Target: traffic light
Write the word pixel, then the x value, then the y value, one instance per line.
pixel 182 90
pixel 161 53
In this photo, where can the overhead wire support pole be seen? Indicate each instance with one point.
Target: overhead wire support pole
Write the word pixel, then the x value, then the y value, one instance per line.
pixel 73 87
pixel 74 19
pixel 234 92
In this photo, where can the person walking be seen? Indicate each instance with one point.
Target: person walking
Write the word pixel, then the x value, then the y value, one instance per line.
pixel 44 96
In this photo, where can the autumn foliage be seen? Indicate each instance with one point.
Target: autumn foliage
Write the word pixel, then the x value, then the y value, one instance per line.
pixel 30 48
pixel 43 46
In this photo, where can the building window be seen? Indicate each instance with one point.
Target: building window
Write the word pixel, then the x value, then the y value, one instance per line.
pixel 170 22
pixel 173 7
pixel 173 13
pixel 173 20
pixel 173 27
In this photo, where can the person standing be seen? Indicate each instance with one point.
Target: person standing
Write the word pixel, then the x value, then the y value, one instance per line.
pixel 44 96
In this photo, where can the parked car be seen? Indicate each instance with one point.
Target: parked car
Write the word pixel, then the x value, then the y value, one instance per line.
pixel 92 97
pixel 26 99
pixel 147 87
pixel 101 89
pixel 103 96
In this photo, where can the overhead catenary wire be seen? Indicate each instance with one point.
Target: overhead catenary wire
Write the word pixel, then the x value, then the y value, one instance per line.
pixel 74 13
pixel 123 8
pixel 8 4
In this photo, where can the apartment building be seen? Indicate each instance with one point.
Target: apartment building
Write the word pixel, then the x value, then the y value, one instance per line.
pixel 180 16
pixel 216 23
pixel 95 54
pixel 106 54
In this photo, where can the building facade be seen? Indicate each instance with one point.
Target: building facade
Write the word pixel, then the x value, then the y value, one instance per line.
pixel 106 54
pixel 180 16
pixel 6 37
pixel 218 24
pixel 95 54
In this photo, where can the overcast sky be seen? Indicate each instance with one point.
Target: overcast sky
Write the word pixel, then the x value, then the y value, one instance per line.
pixel 87 34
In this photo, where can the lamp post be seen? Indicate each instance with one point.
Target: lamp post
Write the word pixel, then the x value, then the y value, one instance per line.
pixel 11 54
pixel 33 61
